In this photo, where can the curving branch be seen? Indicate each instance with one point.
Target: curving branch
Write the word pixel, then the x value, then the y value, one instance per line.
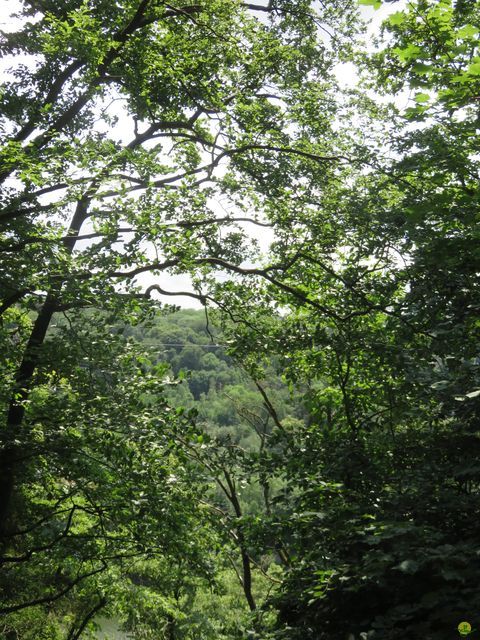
pixel 75 634
pixel 56 596
pixel 259 7
pixel 44 547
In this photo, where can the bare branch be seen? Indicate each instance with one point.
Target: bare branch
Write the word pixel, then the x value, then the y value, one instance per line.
pixel 163 292
pixel 259 7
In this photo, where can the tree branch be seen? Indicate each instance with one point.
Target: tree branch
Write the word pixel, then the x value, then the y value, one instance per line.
pixel 75 635
pixel 259 7
pixel 55 596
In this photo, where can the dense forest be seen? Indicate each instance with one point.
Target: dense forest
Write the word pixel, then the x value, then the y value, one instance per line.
pixel 297 458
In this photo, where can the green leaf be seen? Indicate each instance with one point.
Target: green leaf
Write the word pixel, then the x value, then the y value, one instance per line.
pixel 397 18
pixel 376 4
pixel 422 69
pixel 473 394
pixel 408 53
pixel 422 97
pixel 440 385
pixel 408 566
pixel 474 69
pixel 467 31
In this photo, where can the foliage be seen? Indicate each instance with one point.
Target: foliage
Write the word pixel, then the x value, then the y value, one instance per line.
pixel 333 481
pixel 381 498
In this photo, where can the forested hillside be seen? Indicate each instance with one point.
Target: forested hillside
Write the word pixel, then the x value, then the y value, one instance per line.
pixel 298 458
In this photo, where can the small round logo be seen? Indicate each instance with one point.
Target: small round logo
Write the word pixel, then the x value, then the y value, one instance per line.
pixel 464 628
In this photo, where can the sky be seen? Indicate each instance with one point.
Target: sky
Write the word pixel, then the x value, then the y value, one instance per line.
pixel 345 73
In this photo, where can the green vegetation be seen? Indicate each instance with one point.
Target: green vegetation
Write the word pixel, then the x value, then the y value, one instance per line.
pixel 299 459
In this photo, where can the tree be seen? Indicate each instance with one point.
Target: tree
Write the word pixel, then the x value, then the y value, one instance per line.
pixel 382 479
pixel 120 129
pixel 365 305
